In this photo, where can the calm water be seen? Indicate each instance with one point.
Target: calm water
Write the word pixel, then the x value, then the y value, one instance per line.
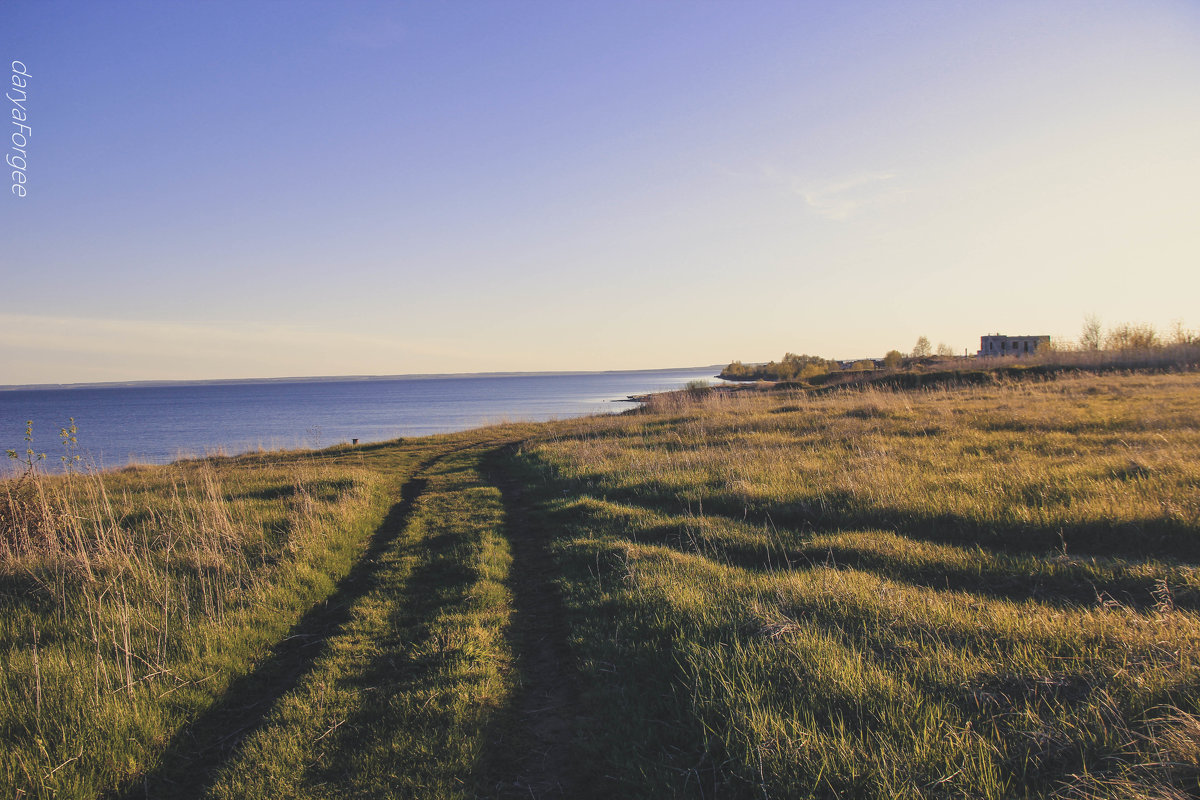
pixel 157 424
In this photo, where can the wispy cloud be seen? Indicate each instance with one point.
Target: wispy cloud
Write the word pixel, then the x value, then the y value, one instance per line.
pixel 842 198
pixel 835 199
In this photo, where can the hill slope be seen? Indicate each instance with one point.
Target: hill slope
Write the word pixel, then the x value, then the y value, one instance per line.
pixel 973 591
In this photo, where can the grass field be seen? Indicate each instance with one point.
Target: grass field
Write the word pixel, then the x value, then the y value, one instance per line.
pixel 987 590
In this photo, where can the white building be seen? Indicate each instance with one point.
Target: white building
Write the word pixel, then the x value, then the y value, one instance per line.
pixel 1000 345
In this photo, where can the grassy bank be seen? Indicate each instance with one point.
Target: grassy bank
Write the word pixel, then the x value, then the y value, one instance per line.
pixel 980 592
pixel 132 601
pixel 984 590
pixel 809 372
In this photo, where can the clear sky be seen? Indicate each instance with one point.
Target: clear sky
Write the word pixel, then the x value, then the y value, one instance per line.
pixel 240 189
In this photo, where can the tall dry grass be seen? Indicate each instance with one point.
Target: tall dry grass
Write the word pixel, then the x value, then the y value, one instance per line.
pixel 967 591
pixel 1179 355
pixel 129 599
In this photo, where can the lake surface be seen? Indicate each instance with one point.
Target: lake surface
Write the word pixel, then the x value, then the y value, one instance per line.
pixel 157 424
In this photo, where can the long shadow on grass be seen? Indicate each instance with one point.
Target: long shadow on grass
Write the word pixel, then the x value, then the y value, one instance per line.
pixel 1138 539
pixel 395 730
pixel 1062 584
pixel 1042 763
pixel 1036 765
pixel 417 730
pixel 627 706
pixel 190 762
pixel 1065 585
pixel 530 754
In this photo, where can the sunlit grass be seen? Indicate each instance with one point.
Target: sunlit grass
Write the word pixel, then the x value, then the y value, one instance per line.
pixel 400 701
pixel 987 590
pixel 130 600
pixel 984 591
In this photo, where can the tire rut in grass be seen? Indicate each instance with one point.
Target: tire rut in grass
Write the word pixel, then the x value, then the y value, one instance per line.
pixel 192 760
pixel 536 761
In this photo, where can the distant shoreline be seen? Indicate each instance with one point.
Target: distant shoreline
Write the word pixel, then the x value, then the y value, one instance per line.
pixel 334 379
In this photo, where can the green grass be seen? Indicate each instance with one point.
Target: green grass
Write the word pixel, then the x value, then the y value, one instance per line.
pixel 987 590
pixel 401 698
pixel 131 601
pixel 981 592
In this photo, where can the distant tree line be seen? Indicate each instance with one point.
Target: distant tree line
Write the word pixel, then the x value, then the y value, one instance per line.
pixel 1123 338
pixel 1131 336
pixel 793 367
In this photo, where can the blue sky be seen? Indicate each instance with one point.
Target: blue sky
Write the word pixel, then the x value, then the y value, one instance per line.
pixel 247 189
